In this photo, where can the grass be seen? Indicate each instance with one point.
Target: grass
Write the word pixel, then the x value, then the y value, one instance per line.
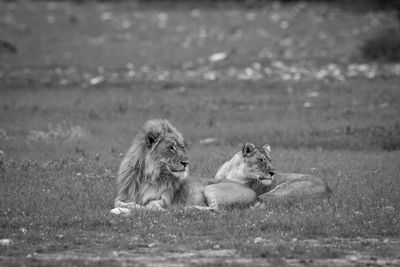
pixel 86 77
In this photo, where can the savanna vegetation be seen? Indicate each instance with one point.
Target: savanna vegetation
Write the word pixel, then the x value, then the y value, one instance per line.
pixel 78 79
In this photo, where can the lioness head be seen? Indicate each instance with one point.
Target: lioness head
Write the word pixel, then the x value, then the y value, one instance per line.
pixel 166 149
pixel 258 163
pixel 252 164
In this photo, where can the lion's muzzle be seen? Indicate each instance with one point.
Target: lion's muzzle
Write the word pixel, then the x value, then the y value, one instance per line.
pixel 267 179
pixel 180 166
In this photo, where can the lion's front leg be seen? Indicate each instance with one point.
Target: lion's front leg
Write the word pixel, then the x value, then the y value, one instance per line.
pixel 127 205
pixel 124 208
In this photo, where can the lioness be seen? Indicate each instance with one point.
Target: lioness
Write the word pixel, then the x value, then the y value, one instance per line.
pixel 154 174
pixel 253 167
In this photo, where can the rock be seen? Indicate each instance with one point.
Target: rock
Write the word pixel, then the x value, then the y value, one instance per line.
pixel 5 242
pixel 208 141
pixel 258 240
pixel 218 57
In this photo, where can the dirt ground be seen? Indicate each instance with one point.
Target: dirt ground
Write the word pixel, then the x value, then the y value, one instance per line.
pixel 311 252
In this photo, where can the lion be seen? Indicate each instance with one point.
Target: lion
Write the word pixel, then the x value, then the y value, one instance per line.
pixel 253 168
pixel 154 174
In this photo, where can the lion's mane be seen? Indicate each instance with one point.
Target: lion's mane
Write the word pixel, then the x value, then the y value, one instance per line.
pixel 142 177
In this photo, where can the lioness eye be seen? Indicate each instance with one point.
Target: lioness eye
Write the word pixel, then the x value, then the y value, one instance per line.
pixel 171 148
pixel 261 160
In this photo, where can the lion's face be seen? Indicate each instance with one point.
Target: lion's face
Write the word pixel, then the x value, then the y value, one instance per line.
pixel 169 152
pixel 173 155
pixel 257 163
pixel 251 165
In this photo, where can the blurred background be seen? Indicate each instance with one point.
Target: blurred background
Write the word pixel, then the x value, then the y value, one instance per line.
pixel 87 74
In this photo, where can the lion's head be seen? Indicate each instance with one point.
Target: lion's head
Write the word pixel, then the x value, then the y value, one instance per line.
pixel 251 165
pixel 165 149
pixel 154 165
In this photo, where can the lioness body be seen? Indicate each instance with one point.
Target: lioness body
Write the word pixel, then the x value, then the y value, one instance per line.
pixel 252 165
pixel 296 186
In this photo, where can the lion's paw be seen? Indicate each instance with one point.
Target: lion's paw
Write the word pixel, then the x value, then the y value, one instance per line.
pixel 120 211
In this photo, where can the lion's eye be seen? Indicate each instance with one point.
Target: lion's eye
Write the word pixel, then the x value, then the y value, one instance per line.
pixel 261 160
pixel 172 148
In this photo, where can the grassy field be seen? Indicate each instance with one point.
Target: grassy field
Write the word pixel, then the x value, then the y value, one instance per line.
pixel 85 77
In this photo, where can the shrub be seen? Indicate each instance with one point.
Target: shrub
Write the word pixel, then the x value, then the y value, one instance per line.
pixel 383 46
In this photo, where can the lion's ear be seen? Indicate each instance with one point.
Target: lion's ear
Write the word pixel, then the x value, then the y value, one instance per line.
pixel 152 138
pixel 267 148
pixel 248 149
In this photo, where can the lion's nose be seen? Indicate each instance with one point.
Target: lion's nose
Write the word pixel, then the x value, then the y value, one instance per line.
pixel 184 163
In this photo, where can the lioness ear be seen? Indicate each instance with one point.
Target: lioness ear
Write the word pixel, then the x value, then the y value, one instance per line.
pixel 248 149
pixel 267 148
pixel 152 138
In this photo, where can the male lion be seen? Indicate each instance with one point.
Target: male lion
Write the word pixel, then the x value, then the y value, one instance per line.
pixel 153 174
pixel 253 167
pixel 154 170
